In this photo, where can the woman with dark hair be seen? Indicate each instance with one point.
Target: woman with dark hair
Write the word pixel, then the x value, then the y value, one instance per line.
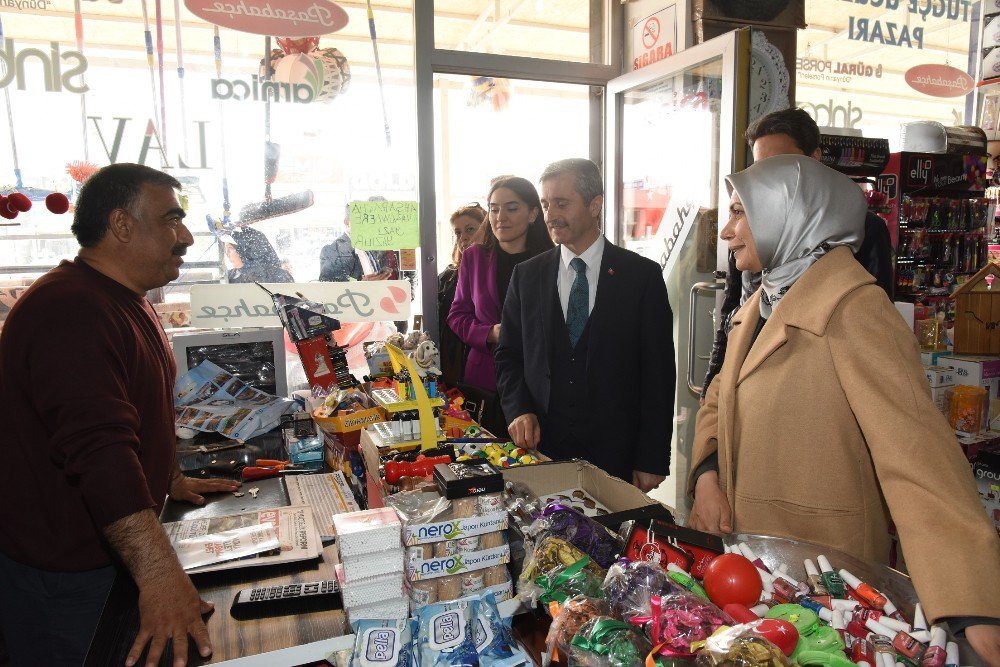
pixel 465 222
pixel 516 232
pixel 253 259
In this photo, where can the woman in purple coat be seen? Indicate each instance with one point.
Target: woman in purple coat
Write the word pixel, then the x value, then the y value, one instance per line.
pixel 516 232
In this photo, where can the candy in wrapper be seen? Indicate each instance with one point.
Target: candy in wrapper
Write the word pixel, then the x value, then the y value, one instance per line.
pixel 608 642
pixel 564 582
pixel 680 620
pixel 383 643
pixel 579 530
pixel 445 635
pixel 569 618
pixel 630 584
pixel 743 651
pixel 550 553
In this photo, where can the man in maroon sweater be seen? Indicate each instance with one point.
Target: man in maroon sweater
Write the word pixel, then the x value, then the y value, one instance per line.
pixel 86 382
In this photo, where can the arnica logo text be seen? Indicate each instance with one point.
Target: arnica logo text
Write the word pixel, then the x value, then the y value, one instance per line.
pixel 258 91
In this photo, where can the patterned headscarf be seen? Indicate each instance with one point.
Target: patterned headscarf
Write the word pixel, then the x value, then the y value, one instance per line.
pixel 797 210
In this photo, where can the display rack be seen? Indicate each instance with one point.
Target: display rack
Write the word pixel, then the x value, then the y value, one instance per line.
pixel 422 403
pixel 938 222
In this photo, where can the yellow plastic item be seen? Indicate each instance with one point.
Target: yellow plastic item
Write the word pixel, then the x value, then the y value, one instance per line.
pixel 428 425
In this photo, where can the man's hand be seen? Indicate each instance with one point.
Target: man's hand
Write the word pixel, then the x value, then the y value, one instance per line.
pixel 525 431
pixel 494 335
pixel 646 481
pixel 985 640
pixel 711 512
pixel 381 275
pixel 170 610
pixel 169 606
pixel 190 490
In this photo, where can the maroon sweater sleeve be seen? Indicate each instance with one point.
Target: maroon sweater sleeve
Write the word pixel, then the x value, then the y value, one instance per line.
pixel 79 358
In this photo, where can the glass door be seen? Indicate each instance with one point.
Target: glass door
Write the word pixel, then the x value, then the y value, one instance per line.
pixel 675 130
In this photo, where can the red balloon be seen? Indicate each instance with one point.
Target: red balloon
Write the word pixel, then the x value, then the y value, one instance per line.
pixel 731 578
pixel 779 632
pixel 19 202
pixel 57 202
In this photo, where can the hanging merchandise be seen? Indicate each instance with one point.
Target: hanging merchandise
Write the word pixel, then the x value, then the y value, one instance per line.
pixel 301 61
pixel 378 72
pixel 487 90
pixel 78 19
pixel 271 207
pixel 152 81
pixel 180 76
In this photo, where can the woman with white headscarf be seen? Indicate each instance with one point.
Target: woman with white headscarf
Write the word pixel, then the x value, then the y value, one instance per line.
pixel 820 425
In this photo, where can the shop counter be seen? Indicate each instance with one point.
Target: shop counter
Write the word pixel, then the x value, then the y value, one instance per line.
pixel 230 638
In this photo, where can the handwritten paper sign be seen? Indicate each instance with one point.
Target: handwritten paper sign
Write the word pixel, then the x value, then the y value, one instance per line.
pixel 247 305
pixel 384 225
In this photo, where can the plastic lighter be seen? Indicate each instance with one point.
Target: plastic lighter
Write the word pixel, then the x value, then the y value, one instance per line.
pixel 686 581
pixel 951 655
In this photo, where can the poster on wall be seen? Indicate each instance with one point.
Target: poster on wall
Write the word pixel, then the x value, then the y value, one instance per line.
pixel 654 37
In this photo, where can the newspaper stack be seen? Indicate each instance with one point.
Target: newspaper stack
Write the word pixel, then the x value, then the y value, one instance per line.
pixel 370 572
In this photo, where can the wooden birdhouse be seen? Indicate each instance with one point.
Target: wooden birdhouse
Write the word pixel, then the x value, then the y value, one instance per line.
pixel 977 313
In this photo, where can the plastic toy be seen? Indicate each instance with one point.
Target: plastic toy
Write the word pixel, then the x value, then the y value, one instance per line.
pixel 731 578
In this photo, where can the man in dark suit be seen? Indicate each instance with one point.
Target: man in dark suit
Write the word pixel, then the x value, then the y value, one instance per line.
pixel 585 360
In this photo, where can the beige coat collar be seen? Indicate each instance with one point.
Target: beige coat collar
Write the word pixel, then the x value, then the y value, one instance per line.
pixel 809 305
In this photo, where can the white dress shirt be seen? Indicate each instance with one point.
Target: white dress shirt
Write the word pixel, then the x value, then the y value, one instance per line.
pixel 592 257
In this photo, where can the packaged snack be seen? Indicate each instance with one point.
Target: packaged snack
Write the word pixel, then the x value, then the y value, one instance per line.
pixel 680 620
pixel 445 635
pixel 463 507
pixel 562 582
pixel 579 530
pixel 496 575
pixel 630 584
pixel 569 618
pixel 383 643
pixel 607 642
pixel 472 582
pixel 550 553
pixel 493 640
pixel 488 503
pixel 746 651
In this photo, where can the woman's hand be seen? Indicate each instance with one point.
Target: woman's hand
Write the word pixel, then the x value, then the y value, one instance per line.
pixel 711 512
pixel 985 640
pixel 494 335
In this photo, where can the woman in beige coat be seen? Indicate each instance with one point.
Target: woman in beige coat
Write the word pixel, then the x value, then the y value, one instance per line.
pixel 820 426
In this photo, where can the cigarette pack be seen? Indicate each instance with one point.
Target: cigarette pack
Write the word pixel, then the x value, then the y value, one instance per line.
pixel 370 531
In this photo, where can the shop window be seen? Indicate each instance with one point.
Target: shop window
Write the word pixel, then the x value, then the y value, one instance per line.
pixel 855 64
pixel 551 29
pixel 486 127
pixel 69 114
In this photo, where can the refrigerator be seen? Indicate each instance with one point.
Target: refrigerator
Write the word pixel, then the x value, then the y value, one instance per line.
pixel 674 131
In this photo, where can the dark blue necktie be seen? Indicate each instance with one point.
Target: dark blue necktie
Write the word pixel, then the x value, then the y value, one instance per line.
pixel 579 302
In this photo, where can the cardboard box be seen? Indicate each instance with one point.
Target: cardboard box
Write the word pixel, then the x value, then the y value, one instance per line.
pixel 977 371
pixel 942 399
pixel 932 358
pixel 545 478
pixel 940 376
pixel 986 469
